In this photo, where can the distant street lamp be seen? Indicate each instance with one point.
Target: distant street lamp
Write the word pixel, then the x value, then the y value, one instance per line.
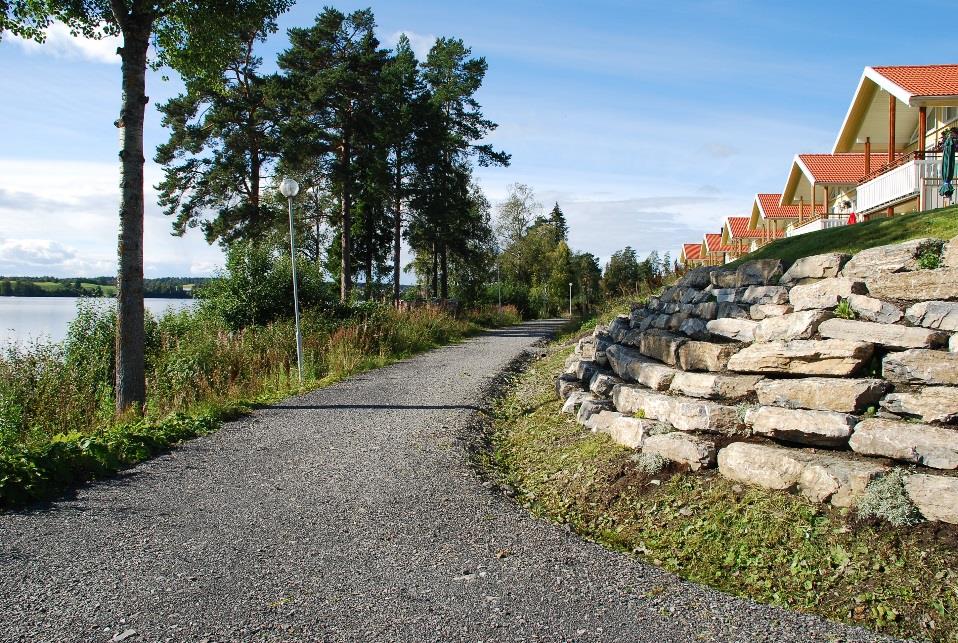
pixel 499 285
pixel 570 300
pixel 290 188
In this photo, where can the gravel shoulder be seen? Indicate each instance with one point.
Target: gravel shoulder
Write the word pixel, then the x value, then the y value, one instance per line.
pixel 349 513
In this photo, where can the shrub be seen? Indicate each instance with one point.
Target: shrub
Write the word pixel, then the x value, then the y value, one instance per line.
pixel 929 254
pixel 886 498
pixel 649 463
pixel 844 310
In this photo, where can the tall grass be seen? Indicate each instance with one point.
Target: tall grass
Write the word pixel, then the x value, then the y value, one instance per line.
pixel 57 419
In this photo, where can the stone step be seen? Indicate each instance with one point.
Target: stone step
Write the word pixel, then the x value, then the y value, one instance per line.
pixel 921 366
pixel 836 357
pixel 941 283
pixel 888 335
pixel 817 476
pixel 694 451
pixel 931 404
pixel 801 325
pixel 844 395
pixel 683 413
pixel 935 496
pixel 814 428
pixel 714 386
pixel 931 446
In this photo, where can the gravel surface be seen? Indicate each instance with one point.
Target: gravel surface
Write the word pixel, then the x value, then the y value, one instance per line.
pixel 349 513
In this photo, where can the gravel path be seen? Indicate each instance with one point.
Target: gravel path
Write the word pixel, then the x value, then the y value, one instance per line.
pixel 349 513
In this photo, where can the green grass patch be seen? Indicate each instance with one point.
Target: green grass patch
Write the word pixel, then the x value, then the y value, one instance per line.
pixel 773 547
pixel 941 223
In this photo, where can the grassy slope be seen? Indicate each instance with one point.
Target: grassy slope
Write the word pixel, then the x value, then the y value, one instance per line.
pixel 942 223
pixel 773 547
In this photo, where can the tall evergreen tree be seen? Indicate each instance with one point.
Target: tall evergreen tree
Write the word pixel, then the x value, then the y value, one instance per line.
pixel 557 221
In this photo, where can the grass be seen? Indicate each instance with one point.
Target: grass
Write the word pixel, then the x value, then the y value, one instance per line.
pixel 57 421
pixel 773 547
pixel 941 224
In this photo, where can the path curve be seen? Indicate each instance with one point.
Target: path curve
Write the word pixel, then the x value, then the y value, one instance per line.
pixel 348 513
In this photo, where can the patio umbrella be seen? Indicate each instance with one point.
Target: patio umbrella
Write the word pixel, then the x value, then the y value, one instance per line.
pixel 852 219
pixel 948 164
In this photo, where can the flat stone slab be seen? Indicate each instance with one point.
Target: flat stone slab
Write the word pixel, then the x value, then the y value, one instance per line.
pixel 763 295
pixel 591 406
pixel 818 477
pixel 844 395
pixel 815 267
pixel 814 428
pixel 892 258
pixel 714 386
pixel 760 272
pixel 694 451
pixel 739 330
pixel 800 325
pixel 759 312
pixel 683 413
pixel 874 310
pixel 705 356
pixel 626 430
pixel 890 335
pixel 930 403
pixel 661 345
pixel 574 401
pixel 930 446
pixel 939 284
pixel 602 383
pixel 935 496
pixel 825 293
pixel 921 366
pixel 941 315
pixel 836 357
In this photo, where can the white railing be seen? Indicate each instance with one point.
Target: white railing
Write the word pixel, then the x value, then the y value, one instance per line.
pixel 824 223
pixel 897 184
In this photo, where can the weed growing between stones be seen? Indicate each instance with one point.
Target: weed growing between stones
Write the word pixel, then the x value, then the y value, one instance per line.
pixel 771 546
pixel 885 498
pixel 649 463
pixel 844 310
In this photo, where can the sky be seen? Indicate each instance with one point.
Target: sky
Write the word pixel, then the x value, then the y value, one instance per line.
pixel 648 122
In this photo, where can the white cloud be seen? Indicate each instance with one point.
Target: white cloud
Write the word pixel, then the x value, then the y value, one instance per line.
pixel 47 257
pixel 60 43
pixel 420 43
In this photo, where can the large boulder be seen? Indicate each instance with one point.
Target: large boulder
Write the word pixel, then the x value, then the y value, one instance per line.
pixel 763 295
pixel 705 356
pixel 601 383
pixel 574 401
pixel 941 283
pixel 935 496
pixel 591 406
pixel 714 386
pixel 685 414
pixel 941 315
pixel 619 327
pixel 921 366
pixel 729 309
pixel 817 267
pixel 892 258
pixel 835 357
pixel 874 310
pixel 661 345
pixel 825 293
pixel 930 403
pixel 566 385
pixel 800 325
pixel 739 330
pixel 815 428
pixel 695 328
pixel 816 476
pixel 632 366
pixel 761 272
pixel 624 429
pixel 949 255
pixel 931 446
pixel 695 451
pixel 889 335
pixel 844 395
pixel 759 312
pixel 640 402
pixel 585 369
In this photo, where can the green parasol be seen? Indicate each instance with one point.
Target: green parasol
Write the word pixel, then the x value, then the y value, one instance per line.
pixel 948 164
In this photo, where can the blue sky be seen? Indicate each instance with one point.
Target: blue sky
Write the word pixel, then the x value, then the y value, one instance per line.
pixel 648 122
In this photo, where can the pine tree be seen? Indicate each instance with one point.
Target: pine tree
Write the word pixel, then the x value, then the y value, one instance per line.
pixel 557 220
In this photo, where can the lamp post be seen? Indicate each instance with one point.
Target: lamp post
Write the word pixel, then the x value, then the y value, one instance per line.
pixel 289 188
pixel 499 285
pixel 570 300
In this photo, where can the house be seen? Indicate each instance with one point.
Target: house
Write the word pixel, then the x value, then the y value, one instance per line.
pixel 772 218
pixel 737 234
pixel 691 255
pixel 714 252
pixel 900 112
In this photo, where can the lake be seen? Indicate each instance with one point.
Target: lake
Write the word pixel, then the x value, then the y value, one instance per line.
pixel 24 319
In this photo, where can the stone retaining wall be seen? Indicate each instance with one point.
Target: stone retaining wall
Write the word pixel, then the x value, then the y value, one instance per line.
pixel 759 371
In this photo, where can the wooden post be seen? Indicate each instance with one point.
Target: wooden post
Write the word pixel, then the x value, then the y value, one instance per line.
pixel 868 155
pixel 812 213
pixel 922 126
pixel 825 201
pixel 891 128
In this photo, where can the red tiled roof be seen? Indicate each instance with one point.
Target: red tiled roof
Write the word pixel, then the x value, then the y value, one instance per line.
pixel 840 168
pixel 713 243
pixel 738 228
pixel 693 251
pixel 772 210
pixel 923 80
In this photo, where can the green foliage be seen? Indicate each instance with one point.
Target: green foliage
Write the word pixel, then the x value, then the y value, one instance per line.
pixel 886 498
pixel 930 254
pixel 844 310
pixel 626 276
pixel 770 546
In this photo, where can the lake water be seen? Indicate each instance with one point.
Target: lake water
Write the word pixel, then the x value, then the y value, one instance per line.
pixel 25 319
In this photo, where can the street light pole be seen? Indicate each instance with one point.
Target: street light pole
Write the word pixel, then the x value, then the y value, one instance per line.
pixel 289 188
pixel 499 285
pixel 570 300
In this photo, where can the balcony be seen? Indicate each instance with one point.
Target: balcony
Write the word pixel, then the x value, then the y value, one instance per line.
pixel 915 175
pixel 822 222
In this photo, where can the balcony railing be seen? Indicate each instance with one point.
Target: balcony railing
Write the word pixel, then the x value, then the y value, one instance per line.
pixel 822 222
pixel 901 180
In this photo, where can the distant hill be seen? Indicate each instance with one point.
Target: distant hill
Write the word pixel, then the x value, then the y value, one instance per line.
pixel 167 287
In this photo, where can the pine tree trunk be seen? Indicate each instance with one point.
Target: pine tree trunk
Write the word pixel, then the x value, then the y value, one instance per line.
pixel 444 259
pixel 130 362
pixel 397 227
pixel 369 253
pixel 435 272
pixel 345 274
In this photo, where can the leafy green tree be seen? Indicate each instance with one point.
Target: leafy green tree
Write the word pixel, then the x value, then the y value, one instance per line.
pixel 332 72
pixel 197 39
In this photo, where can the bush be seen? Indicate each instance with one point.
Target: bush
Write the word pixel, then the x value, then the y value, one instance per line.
pixel 844 310
pixel 929 254
pixel 887 499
